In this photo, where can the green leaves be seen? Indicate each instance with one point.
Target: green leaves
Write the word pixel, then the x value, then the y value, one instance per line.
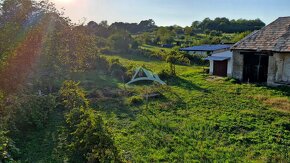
pixel 120 41
pixel 7 147
pixel 86 137
pixel 32 111
pixel 72 96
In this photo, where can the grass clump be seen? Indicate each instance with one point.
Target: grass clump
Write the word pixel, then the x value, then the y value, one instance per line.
pixel 135 100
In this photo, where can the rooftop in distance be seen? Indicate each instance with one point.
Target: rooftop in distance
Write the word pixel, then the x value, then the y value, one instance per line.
pixel 206 47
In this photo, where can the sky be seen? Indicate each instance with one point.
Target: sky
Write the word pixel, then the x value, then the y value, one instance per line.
pixel 172 12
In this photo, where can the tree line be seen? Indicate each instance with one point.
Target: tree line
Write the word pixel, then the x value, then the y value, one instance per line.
pixel 228 26
pixel 220 24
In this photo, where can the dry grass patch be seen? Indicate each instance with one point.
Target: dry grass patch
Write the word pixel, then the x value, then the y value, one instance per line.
pixel 278 103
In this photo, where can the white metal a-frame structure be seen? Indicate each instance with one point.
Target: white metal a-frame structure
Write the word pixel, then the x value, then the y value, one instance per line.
pixel 148 75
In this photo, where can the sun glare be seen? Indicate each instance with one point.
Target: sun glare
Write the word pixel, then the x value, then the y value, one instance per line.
pixel 64 1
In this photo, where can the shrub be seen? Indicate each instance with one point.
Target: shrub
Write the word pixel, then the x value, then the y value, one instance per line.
pixel 7 148
pixel 86 139
pixel 164 74
pixel 33 111
pixel 135 100
pixel 72 96
pixel 197 59
pixel 117 70
pixel 107 51
pixel 102 64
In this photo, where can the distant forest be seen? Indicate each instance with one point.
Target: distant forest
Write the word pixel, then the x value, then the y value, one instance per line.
pixel 208 31
pixel 222 24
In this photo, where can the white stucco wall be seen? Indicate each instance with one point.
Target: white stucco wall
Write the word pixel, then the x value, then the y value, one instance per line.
pixel 271 71
pixel 279 69
pixel 211 67
pixel 286 69
pixel 238 63
pixel 230 62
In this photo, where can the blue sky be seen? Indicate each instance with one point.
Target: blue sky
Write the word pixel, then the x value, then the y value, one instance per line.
pixel 171 12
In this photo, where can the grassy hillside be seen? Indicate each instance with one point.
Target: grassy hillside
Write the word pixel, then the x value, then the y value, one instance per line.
pixel 199 117
pixel 63 96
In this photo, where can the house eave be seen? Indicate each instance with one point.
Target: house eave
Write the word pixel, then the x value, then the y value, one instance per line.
pixel 260 51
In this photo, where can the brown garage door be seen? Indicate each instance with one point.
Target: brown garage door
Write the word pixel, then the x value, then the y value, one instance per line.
pixel 220 68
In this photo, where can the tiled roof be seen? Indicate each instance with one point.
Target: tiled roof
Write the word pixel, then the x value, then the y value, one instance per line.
pixel 206 48
pixel 274 37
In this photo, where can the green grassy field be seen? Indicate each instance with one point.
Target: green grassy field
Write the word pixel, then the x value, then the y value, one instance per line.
pixel 198 118
pixel 155 48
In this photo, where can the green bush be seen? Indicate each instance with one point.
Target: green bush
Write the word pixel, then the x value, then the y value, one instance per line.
pixel 72 96
pixel 164 74
pixel 88 139
pixel 84 137
pixel 32 111
pixel 135 100
pixel 117 70
pixel 102 64
pixel 7 148
pixel 197 59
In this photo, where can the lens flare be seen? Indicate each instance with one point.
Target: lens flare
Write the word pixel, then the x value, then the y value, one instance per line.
pixel 64 1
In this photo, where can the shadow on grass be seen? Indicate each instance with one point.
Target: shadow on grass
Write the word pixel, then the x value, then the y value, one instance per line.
pixel 93 80
pixel 118 107
pixel 185 84
pixel 281 90
pixel 284 90
pixel 136 57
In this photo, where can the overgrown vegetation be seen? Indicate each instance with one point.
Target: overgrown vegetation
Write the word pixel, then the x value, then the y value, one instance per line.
pixel 63 96
pixel 201 118
pixel 84 137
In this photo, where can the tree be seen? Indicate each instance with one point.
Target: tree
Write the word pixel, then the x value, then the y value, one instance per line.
pixel 229 26
pixel 85 137
pixel 195 24
pixel 240 36
pixel 120 41
pixel 172 60
pixel 101 29
pixel 147 25
pixel 165 35
pixel 88 139
pixel 134 44
pixel 72 96
pixel 16 10
pixel 188 30
pixel 144 38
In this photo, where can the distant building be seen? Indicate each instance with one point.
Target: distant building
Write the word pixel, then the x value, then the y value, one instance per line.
pixel 219 57
pixel 264 55
pixel 221 64
pixel 206 49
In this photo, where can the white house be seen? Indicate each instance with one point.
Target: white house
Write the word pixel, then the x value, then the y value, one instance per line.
pixel 221 64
